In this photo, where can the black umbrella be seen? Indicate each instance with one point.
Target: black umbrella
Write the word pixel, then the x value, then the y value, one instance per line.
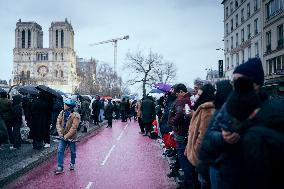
pixel 61 93
pixel 49 91
pixel 27 89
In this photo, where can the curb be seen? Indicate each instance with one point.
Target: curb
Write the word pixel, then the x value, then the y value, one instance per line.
pixel 26 165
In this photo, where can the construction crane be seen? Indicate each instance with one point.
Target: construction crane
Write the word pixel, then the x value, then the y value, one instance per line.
pixel 114 41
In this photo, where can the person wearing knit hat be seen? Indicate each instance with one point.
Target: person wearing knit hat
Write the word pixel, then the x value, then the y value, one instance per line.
pixel 243 100
pixel 252 69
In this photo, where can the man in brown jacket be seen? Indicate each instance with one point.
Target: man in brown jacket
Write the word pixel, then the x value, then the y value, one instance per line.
pixel 67 124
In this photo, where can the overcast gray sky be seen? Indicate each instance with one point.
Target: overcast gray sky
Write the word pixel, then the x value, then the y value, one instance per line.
pixel 186 32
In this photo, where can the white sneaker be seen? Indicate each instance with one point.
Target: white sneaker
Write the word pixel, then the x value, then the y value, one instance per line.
pixel 46 145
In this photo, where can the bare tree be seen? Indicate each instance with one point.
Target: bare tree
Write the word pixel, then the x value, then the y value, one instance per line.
pixel 107 82
pixel 149 69
pixel 165 73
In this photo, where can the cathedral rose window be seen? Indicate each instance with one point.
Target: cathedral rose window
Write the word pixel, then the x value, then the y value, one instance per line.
pixel 42 70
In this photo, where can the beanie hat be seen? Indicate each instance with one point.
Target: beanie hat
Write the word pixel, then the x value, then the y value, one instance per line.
pixel 223 90
pixel 243 100
pixel 252 69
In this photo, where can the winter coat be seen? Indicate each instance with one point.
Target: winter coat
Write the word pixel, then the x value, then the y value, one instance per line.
pixel 197 128
pixel 41 110
pixel 262 140
pixel 7 109
pixel 3 131
pixel 138 109
pixel 85 113
pixel 109 110
pixel 148 110
pixel 96 107
pixel 70 132
pixel 123 106
pixel 177 119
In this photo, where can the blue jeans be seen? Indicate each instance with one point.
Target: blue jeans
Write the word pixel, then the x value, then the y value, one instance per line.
pixel 214 177
pixel 184 163
pixel 60 152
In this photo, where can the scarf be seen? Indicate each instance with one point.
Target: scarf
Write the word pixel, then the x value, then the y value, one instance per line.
pixel 67 115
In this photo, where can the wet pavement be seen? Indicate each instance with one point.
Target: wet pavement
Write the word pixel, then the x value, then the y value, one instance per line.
pixel 115 157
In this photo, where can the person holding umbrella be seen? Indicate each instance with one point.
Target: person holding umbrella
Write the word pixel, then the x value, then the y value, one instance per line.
pixel 67 124
pixel 41 109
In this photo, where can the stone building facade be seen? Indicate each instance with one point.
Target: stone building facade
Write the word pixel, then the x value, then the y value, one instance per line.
pixel 54 66
pixel 242 32
pixel 273 44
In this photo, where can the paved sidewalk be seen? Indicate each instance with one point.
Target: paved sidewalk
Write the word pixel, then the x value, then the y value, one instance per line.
pixel 14 163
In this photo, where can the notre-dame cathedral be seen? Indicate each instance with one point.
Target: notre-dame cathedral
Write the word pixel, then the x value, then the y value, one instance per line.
pixel 54 66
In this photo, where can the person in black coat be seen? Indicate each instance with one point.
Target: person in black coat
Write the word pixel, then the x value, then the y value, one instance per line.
pixel 96 110
pixel 108 113
pixel 148 113
pixel 123 107
pixel 40 120
pixel 18 121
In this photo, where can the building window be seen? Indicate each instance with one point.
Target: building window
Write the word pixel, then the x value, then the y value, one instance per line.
pixel 227 12
pixel 269 67
pixel 62 56
pixel 248 10
pixel 243 35
pixel 28 74
pixel 62 38
pixel 232 42
pixel 237 59
pixel 237 18
pixel 268 41
pixel 255 5
pixel 243 56
pixel 56 38
pixel 237 39
pixel 256 50
pixel 232 62
pixel 56 73
pixel 280 36
pixel 227 28
pixel 228 63
pixel 242 16
pixel 248 31
pixel 273 8
pixel 23 38
pixel 29 38
pixel 232 25
pixel 255 27
pixel 61 73
pixel 231 7
pixel 249 52
pixel 227 45
pixel 236 4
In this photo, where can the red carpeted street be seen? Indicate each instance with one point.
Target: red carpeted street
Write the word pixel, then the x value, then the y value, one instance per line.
pixel 116 157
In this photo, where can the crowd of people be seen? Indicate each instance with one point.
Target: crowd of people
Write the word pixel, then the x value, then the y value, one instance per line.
pixel 224 136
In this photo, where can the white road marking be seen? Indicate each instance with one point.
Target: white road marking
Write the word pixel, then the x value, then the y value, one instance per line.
pixel 89 185
pixel 106 158
pixel 119 137
pixel 126 126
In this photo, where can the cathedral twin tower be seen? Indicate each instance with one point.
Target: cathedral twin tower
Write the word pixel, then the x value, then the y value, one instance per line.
pixel 54 66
